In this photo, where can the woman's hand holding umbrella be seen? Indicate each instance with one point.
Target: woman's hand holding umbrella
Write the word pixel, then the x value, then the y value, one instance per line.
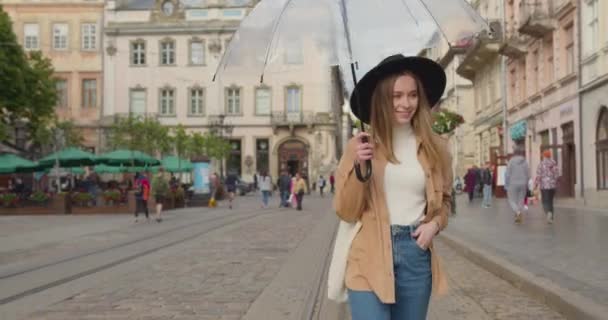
pixel 365 153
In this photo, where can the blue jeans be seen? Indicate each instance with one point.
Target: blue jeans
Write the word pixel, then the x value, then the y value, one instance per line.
pixel 284 198
pixel 487 195
pixel 265 196
pixel 413 282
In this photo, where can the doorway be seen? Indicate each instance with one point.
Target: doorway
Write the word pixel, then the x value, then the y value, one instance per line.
pixel 293 166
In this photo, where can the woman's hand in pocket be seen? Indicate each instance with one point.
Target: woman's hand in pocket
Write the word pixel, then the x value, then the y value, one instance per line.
pixel 425 233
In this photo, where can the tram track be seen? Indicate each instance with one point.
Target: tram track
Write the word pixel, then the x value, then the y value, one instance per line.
pixel 68 269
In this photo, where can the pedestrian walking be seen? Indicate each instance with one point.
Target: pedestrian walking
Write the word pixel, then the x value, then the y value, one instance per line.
pixel 486 180
pixel 142 193
pixel 547 175
pixel 332 183
pixel 255 181
pixel 516 181
pixel 391 269
pixel 321 183
pixel 160 188
pixel 299 189
pixel 284 188
pixel 265 184
pixel 231 182
pixel 470 182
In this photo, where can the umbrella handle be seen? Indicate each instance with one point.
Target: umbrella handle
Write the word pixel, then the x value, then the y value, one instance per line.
pixel 368 173
pixel 368 167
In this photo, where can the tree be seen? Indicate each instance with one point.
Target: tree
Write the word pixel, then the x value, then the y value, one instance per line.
pixel 181 141
pixel 209 145
pixel 144 134
pixel 72 135
pixel 28 91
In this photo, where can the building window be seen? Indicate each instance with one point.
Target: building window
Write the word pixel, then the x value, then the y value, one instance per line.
pixel 262 101
pixel 197 53
pixel 262 155
pixel 544 138
pixel 197 100
pixel 137 100
pixel 523 81
pixel 535 73
pixel 31 33
pixel 167 102
pixel 548 61
pixel 89 36
pixel 60 36
pixel 167 53
pixel 62 93
pixel 233 164
pixel 602 150
pixel 138 53
pixel 294 100
pixel 89 93
pixel 569 49
pixel 592 26
pixel 233 101
pixel 513 87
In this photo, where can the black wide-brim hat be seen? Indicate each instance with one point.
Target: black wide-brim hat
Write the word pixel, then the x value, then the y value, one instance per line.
pixel 431 75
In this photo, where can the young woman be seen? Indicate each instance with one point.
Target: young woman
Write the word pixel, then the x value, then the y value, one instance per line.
pixel 160 187
pixel 265 184
pixel 547 175
pixel 142 194
pixel 391 268
pixel 516 182
pixel 299 189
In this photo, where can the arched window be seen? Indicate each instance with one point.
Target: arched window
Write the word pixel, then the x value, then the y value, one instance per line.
pixel 602 149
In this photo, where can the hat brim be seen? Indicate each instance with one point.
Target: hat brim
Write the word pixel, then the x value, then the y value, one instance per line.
pixel 431 75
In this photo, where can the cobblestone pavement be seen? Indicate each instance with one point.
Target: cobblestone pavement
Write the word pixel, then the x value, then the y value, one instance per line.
pixel 219 275
pixel 476 294
pixel 216 276
pixel 570 253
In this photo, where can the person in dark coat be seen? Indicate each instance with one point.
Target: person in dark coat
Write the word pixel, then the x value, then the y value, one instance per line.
pixel 470 181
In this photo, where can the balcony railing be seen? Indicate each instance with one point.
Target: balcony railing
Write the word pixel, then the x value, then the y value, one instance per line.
pixel 515 42
pixel 535 17
pixel 562 6
pixel 292 118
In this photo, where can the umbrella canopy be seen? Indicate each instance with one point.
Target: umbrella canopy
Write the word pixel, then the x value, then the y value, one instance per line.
pixel 10 163
pixel 128 158
pixel 176 164
pixel 65 170
pixel 69 157
pixel 277 36
pixel 153 169
pixel 103 168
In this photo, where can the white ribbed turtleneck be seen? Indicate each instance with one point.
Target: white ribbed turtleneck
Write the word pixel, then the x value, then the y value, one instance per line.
pixel 405 182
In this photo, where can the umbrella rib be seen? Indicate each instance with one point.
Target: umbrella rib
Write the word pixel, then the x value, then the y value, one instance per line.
pixel 344 15
pixel 436 22
pixel 410 12
pixel 273 35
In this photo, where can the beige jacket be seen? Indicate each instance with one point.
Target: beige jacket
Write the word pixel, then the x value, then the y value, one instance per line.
pixel 370 260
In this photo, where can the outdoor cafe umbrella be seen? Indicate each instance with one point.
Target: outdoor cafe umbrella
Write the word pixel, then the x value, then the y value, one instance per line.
pixel 104 168
pixel 176 164
pixel 69 157
pixel 352 34
pixel 128 158
pixel 10 163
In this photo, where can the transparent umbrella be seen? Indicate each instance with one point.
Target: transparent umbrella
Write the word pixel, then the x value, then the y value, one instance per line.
pixel 280 37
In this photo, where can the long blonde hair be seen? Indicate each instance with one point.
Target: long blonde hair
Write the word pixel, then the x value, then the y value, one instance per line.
pixel 382 120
